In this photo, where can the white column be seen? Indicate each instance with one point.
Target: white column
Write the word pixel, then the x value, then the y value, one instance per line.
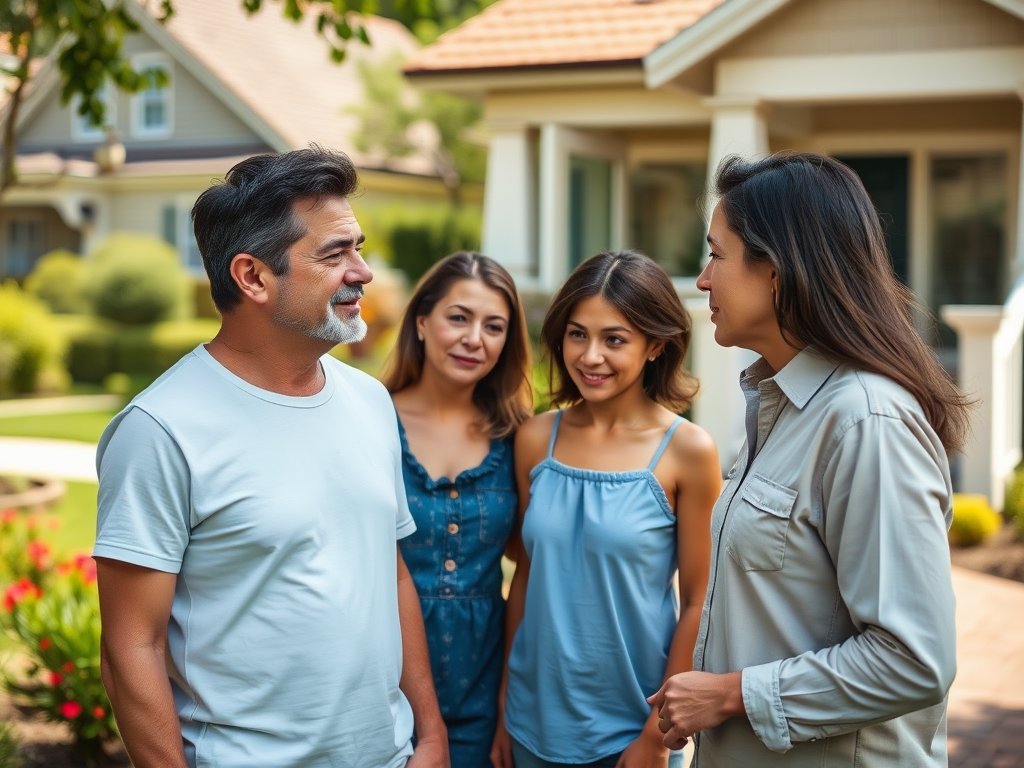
pixel 1018 257
pixel 552 207
pixel 737 128
pixel 508 213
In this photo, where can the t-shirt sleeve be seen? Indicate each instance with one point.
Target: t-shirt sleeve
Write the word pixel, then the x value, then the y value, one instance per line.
pixel 144 506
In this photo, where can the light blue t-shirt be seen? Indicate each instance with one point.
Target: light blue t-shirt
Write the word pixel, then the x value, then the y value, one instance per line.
pixel 280 516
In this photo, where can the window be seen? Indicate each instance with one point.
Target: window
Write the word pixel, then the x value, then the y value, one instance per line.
pixel 666 223
pixel 590 207
pixel 82 127
pixel 24 244
pixel 152 107
pixel 178 232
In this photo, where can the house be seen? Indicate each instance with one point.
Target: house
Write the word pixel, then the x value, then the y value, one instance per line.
pixel 239 85
pixel 607 118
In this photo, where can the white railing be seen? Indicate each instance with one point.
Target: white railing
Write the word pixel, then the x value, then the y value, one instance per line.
pixel 989 353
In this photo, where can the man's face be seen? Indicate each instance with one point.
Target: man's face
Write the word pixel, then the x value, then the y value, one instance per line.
pixel 319 296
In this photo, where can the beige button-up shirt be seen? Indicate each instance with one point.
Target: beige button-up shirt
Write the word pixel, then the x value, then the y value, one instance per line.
pixel 830 582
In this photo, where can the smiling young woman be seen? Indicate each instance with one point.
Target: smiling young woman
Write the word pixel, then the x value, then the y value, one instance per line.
pixel 615 494
pixel 460 381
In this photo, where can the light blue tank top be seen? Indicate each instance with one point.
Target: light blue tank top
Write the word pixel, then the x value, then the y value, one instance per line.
pixel 600 609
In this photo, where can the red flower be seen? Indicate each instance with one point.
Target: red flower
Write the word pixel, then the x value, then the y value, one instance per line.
pixel 20 590
pixel 56 678
pixel 31 522
pixel 87 567
pixel 39 552
pixel 70 709
pixel 45 644
pixel 8 516
pixel 69 666
pixel 99 713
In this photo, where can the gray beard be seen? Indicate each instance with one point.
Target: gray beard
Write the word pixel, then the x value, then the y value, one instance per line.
pixel 332 329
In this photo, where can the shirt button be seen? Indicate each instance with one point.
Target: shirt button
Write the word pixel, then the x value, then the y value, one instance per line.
pixel 453 493
pixel 453 528
pixel 449 565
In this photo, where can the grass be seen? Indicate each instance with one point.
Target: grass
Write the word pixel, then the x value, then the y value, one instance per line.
pixel 85 427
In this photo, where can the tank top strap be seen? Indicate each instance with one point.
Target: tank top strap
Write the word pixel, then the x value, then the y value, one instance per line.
pixel 554 433
pixel 664 443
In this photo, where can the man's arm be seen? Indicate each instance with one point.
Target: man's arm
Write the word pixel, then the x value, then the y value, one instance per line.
pixel 416 682
pixel 135 603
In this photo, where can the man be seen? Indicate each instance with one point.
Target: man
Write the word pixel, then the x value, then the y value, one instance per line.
pixel 249 507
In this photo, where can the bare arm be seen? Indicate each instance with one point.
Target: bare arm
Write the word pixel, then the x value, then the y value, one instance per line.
pixel 698 481
pixel 417 682
pixel 531 446
pixel 135 605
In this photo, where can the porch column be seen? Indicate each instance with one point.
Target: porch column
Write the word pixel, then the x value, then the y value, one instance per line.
pixel 737 128
pixel 508 213
pixel 552 207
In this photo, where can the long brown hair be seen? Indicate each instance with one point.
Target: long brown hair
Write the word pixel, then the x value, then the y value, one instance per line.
pixel 810 217
pixel 505 394
pixel 643 292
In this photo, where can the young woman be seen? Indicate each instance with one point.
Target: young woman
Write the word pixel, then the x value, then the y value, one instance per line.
pixel 827 635
pixel 615 494
pixel 460 381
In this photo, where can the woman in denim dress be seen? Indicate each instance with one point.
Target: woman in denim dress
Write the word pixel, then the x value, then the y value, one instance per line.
pixel 460 380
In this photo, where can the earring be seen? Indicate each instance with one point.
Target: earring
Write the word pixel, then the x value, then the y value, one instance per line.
pixel 652 358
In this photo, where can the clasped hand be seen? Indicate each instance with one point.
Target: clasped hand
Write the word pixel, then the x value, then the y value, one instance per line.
pixel 693 701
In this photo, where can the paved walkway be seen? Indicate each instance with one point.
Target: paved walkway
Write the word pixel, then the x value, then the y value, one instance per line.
pixel 30 406
pixel 986 704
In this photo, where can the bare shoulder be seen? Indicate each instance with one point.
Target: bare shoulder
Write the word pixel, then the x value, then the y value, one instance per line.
pixel 692 442
pixel 532 438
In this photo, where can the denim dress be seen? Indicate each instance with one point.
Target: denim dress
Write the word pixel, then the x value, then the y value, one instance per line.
pixel 462 526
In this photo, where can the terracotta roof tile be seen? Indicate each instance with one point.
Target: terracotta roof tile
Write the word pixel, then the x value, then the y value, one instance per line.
pixel 531 33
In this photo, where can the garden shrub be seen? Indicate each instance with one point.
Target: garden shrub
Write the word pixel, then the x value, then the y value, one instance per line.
pixel 202 299
pixel 136 280
pixel 1013 504
pixel 152 349
pixel 91 340
pixel 9 757
pixel 58 625
pixel 56 280
pixel 415 246
pixel 31 346
pixel 973 520
pixel 24 557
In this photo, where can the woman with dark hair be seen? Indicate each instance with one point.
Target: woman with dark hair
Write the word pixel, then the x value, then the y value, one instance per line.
pixel 460 380
pixel 827 636
pixel 615 497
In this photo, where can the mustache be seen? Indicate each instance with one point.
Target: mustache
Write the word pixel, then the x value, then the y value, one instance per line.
pixel 347 293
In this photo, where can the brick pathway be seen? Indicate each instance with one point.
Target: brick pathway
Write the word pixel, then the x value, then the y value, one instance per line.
pixel 986 703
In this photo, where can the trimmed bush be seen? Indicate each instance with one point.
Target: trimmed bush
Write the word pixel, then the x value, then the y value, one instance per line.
pixel 137 280
pixel 91 343
pixel 415 246
pixel 8 747
pixel 973 520
pixel 152 349
pixel 1013 504
pixel 31 346
pixel 57 282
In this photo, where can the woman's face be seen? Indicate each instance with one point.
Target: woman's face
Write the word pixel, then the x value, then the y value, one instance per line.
pixel 741 294
pixel 464 334
pixel 604 353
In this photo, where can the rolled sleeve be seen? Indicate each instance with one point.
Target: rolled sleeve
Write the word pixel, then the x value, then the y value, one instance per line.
pixel 763 703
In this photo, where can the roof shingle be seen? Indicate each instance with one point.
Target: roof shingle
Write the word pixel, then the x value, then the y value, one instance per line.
pixel 513 34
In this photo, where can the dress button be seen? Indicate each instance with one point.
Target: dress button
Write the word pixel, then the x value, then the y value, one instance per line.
pixel 449 565
pixel 453 528
pixel 453 493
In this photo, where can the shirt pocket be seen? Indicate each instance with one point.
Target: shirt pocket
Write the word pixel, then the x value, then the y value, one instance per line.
pixel 497 514
pixel 760 524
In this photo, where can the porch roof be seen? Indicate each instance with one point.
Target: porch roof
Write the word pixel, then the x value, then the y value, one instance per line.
pixel 516 34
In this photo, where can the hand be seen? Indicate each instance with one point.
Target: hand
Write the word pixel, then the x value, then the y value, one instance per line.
pixel 693 701
pixel 430 754
pixel 645 751
pixel 501 747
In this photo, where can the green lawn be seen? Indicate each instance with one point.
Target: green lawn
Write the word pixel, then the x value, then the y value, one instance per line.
pixel 86 427
pixel 76 520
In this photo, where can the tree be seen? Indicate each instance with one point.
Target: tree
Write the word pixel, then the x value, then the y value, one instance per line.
pixel 390 109
pixel 85 38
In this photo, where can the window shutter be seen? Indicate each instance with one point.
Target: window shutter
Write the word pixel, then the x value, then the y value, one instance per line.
pixel 171 225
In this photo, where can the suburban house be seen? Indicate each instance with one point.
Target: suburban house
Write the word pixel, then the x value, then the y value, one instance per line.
pixel 607 118
pixel 239 85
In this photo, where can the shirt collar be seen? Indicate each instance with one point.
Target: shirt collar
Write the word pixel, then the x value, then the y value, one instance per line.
pixel 799 381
